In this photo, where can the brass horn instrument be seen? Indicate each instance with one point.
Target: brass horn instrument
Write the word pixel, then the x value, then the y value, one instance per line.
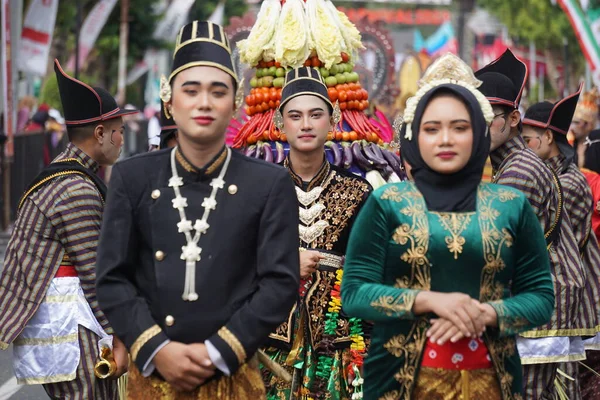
pixel 106 365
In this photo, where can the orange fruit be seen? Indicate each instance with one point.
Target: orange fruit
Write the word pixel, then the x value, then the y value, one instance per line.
pixel 353 136
pixel 345 136
pixel 338 136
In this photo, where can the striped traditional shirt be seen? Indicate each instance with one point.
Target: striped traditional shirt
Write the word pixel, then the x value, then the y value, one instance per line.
pixel 61 217
pixel 578 203
pixel 517 166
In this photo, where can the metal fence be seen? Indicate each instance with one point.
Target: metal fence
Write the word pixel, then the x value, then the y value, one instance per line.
pixel 28 160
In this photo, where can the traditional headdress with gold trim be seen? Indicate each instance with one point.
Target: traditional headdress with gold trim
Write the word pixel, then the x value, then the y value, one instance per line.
pixel 587 108
pixel 304 81
pixel 199 43
pixel 446 69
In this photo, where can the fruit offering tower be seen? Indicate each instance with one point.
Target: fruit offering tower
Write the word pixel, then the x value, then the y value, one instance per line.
pixel 293 33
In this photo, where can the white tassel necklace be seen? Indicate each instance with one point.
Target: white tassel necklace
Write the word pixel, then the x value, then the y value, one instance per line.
pixel 190 253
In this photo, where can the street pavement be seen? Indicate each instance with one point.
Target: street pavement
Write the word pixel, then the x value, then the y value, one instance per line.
pixel 8 384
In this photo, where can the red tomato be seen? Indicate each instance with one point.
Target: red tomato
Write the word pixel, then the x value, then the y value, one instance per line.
pixel 342 96
pixel 333 94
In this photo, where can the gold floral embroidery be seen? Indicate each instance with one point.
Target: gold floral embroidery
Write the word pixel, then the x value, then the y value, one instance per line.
pixel 505 195
pixel 493 240
pixel 456 224
pixel 500 349
pixel 410 348
pixel 391 193
pixel 416 235
pixel 509 324
pixel 396 306
pixel 393 395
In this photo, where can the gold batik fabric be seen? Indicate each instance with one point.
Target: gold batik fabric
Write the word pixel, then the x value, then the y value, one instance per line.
pixel 447 384
pixel 245 384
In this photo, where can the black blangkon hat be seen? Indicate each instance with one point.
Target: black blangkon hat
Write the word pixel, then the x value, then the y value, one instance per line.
pixel 303 81
pixel 556 117
pixel 83 104
pixel 202 43
pixel 503 80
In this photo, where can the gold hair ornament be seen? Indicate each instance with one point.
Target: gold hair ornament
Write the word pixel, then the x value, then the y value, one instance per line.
pixel 239 95
pixel 336 115
pixel 446 69
pixel 396 127
pixel 278 120
pixel 165 94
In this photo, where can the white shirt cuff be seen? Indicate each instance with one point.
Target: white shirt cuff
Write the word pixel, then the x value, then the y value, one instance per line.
pixel 215 357
pixel 149 367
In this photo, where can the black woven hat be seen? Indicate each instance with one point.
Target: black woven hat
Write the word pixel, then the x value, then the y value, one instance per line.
pixel 202 43
pixel 503 80
pixel 83 104
pixel 302 81
pixel 556 117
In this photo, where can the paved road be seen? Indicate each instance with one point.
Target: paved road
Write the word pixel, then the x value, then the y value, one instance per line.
pixel 8 384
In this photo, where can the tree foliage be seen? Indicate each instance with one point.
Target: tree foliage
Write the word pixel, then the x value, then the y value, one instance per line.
pixel 202 10
pixel 539 21
pixel 102 63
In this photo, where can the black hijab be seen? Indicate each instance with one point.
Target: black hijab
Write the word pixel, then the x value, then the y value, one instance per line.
pixel 449 192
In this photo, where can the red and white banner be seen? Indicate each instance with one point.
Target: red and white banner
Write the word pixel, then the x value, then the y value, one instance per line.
pixel 36 36
pixel 91 28
pixel 7 87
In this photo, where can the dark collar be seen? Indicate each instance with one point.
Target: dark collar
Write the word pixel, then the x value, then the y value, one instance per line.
pixel 75 153
pixel 498 156
pixel 189 170
pixel 315 181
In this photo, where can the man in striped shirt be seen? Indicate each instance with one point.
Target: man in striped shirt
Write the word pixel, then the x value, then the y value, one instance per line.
pixel 48 305
pixel 516 165
pixel 545 130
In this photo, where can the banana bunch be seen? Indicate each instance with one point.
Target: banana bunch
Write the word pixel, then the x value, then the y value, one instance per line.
pixel 263 33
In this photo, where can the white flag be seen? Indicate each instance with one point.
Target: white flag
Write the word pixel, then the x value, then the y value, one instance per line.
pixel 91 28
pixel 36 36
pixel 219 14
pixel 176 15
pixel 167 29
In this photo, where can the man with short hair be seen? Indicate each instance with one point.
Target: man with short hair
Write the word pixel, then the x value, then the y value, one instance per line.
pixel 198 258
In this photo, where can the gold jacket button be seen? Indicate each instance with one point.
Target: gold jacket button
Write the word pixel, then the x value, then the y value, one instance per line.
pixel 169 320
pixel 232 189
pixel 155 194
pixel 159 255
